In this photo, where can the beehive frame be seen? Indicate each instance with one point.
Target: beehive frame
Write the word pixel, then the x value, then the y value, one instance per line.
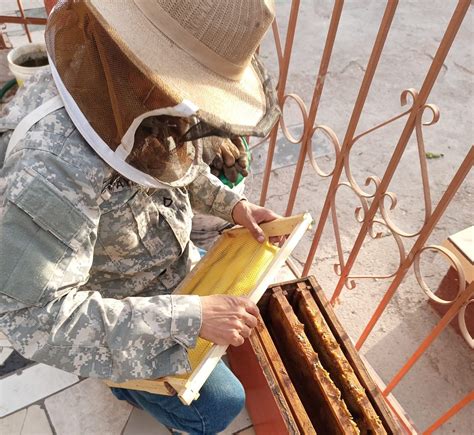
pixel 187 387
pixel 265 384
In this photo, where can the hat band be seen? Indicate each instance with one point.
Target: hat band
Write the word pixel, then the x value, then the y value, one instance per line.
pixel 171 28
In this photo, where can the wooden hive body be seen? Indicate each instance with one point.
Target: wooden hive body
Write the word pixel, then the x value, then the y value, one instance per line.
pixel 308 346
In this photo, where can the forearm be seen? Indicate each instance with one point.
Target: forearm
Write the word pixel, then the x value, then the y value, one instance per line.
pixel 84 333
pixel 209 196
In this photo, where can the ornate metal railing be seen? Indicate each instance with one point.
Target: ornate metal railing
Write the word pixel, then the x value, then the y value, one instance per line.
pixel 376 201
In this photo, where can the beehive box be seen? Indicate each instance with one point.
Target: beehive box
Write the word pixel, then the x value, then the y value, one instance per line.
pixel 302 366
pixel 235 265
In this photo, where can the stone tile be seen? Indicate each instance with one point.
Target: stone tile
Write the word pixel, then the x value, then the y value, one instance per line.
pixel 8 6
pixel 242 421
pixel 5 353
pixel 12 424
pixel 36 422
pixel 34 383
pixel 14 29
pixel 87 408
pixel 142 423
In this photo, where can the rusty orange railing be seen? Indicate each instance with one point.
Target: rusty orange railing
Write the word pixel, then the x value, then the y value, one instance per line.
pixel 373 209
pixel 22 19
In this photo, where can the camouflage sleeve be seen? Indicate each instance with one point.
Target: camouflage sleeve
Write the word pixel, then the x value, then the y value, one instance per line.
pixel 209 196
pixel 49 216
pixel 4 139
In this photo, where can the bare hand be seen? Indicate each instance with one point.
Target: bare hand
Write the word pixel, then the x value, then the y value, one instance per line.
pixel 250 215
pixel 227 319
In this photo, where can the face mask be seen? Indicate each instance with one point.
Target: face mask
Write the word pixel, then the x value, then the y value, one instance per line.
pixel 163 149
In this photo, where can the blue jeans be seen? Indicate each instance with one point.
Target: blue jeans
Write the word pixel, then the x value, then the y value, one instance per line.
pixel 221 399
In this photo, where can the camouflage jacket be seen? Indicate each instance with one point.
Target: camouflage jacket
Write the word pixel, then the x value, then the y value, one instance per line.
pixel 88 261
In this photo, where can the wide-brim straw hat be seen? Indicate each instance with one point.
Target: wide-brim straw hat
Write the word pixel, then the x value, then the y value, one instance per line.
pixel 203 51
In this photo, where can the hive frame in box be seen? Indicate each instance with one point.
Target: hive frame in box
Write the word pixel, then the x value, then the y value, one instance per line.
pixel 187 389
pixel 264 385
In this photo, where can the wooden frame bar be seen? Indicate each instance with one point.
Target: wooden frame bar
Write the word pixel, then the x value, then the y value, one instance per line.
pixel 281 376
pixel 272 401
pixel 319 394
pixel 265 402
pixel 376 397
pixel 334 360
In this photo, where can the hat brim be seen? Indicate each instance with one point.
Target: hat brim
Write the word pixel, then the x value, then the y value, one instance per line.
pixel 243 106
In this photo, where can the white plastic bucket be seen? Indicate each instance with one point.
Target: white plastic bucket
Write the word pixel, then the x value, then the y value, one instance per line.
pixel 28 52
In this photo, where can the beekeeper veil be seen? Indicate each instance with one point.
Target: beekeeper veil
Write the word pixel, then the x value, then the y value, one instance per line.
pixel 145 80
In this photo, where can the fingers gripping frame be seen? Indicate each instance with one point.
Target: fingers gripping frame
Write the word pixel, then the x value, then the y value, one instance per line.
pixel 254 266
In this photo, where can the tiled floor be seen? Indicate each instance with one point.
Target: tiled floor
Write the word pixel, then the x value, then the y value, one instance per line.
pixel 29 421
pixel 21 388
pixel 41 400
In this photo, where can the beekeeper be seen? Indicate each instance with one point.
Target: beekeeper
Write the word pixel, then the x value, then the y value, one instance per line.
pixel 98 183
